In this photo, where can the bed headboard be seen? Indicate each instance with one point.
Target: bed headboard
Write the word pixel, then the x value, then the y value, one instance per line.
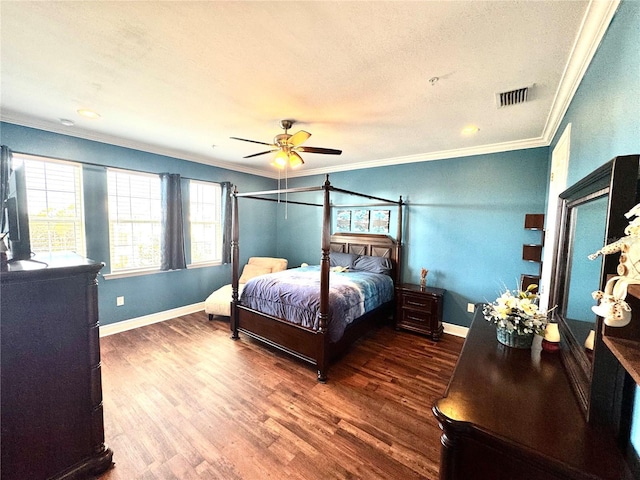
pixel 372 244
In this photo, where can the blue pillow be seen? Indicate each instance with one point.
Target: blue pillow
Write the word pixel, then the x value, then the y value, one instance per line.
pixel 373 264
pixel 338 259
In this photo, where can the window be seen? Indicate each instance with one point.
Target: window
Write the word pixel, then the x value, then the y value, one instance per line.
pixel 134 220
pixel 54 200
pixel 205 224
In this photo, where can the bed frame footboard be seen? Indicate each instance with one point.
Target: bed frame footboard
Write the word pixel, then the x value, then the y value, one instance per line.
pixel 300 342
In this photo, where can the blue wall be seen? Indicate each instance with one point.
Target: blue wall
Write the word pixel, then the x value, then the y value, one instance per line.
pixel 152 293
pixel 464 221
pixel 605 111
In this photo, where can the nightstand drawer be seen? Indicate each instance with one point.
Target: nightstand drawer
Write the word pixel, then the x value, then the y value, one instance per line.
pixel 416 316
pixel 425 303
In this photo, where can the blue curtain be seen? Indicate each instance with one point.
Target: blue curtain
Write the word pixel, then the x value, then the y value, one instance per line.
pixel 172 255
pixel 5 167
pixel 226 222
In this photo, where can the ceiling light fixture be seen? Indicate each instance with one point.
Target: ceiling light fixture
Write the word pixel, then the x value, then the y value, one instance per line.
pixel 66 122
pixel 88 113
pixel 470 130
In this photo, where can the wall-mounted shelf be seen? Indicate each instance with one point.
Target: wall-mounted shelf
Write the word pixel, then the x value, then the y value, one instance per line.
pixel 533 252
pixel 534 221
pixel 628 354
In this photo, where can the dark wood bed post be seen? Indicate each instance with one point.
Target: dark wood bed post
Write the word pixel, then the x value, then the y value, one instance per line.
pixel 398 279
pixel 324 284
pixel 234 263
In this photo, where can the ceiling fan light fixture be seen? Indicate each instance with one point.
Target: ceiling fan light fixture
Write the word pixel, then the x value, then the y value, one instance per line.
pixel 295 160
pixel 286 145
pixel 281 159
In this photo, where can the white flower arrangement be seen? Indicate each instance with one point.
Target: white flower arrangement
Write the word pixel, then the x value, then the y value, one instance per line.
pixel 517 311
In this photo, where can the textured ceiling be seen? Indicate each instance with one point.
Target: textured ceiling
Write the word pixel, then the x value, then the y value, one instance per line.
pixel 178 77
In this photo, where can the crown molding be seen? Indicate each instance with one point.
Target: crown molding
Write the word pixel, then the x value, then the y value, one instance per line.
pixel 594 25
pixel 53 127
pixel 427 157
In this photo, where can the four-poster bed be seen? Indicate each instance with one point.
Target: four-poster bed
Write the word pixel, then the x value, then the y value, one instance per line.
pixel 315 345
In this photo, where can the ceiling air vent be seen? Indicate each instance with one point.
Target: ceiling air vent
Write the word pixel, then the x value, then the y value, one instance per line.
pixel 512 97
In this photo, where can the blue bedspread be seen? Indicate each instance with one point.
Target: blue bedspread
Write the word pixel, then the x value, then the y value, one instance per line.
pixel 294 295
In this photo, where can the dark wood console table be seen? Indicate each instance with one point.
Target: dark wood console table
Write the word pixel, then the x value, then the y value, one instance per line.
pixel 51 409
pixel 511 414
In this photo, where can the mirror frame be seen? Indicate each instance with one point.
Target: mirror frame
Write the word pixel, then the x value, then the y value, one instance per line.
pixel 618 179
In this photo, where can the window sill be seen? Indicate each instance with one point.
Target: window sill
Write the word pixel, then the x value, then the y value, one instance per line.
pixel 204 264
pixel 150 271
pixel 131 273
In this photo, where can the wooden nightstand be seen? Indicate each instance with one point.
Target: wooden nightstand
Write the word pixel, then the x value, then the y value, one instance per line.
pixel 419 310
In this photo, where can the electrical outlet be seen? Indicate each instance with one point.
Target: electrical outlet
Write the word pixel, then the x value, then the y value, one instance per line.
pixel 119 301
pixel 471 307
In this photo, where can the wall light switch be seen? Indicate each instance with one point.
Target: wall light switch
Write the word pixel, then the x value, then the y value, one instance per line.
pixel 471 307
pixel 119 301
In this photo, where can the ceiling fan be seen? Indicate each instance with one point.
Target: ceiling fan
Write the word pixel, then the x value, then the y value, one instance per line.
pixel 288 147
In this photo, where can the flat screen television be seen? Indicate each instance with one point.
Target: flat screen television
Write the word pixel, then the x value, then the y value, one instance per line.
pixel 15 215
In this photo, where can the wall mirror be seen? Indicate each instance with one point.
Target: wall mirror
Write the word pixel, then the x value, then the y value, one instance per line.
pixel 590 215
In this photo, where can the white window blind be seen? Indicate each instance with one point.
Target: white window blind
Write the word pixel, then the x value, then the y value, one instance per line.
pixel 134 220
pixel 55 204
pixel 205 221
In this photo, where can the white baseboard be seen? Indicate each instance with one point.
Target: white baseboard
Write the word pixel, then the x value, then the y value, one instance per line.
pixel 456 330
pixel 125 325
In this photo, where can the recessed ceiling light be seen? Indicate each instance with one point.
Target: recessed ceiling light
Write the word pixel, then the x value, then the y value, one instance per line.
pixel 88 113
pixel 66 122
pixel 470 130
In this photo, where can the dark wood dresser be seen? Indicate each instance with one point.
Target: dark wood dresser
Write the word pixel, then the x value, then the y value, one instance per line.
pixel 511 414
pixel 419 309
pixel 51 405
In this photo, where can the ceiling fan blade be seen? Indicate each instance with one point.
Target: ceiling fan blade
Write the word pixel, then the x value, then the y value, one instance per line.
pixel 298 138
pixel 252 141
pixel 261 153
pixel 327 151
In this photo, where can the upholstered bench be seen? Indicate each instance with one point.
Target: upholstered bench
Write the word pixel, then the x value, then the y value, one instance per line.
pixel 219 302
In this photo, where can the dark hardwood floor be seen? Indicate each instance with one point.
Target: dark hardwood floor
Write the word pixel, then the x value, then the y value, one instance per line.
pixel 182 400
